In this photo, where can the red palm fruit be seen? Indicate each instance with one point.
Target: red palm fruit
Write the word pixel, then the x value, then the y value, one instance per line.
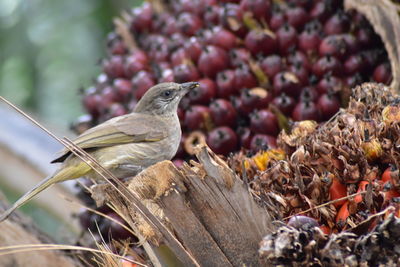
pixel 114 67
pixel 338 23
pixel 132 66
pixel 337 190
pixel 222 140
pixel 193 48
pixel 353 80
pixel 213 60
pixel 91 102
pixel 301 73
pixel 260 9
pixel 298 57
pixel 388 174
pixel 196 117
pixel 305 110
pixel 109 96
pixel 262 142
pixel 287 38
pixel 123 88
pixel 366 37
pixel 189 23
pixel 186 73
pixel 211 15
pixel 115 44
pixel 256 98
pixel 226 83
pixel 297 16
pixel 352 43
pixel 327 64
pixel 321 10
pixel 333 45
pixel 328 105
pixel 383 73
pixel 309 39
pixel 329 83
pixel 286 82
pixel 354 64
pixel 223 113
pixel 167 75
pixel 142 18
pixel 277 19
pixel 115 110
pixel 309 93
pixel 223 38
pixel 264 122
pixel 307 4
pixel 202 94
pixel 179 56
pixel 239 56
pixel 244 78
pixel 160 53
pixel 230 18
pixel 141 82
pixel 271 65
pixel 245 136
pixel 258 41
pixel 284 103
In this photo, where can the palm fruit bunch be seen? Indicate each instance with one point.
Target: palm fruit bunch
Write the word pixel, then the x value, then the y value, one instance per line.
pixel 333 179
pixel 255 60
pixel 260 64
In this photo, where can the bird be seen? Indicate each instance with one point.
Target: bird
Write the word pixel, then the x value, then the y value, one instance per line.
pixel 124 145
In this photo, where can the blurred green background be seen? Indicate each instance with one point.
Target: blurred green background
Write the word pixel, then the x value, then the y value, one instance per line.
pixel 49 49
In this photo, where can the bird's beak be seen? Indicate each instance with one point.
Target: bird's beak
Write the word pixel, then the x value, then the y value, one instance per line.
pixel 185 87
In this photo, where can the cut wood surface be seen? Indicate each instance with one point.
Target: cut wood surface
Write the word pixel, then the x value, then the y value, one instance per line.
pixel 207 207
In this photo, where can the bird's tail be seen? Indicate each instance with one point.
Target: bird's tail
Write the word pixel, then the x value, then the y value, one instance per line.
pixel 61 175
pixel 44 184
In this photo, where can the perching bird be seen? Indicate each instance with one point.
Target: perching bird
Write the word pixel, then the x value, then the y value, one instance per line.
pixel 124 145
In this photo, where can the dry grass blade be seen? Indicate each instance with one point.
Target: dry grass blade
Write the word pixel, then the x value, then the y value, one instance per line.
pixel 36 247
pixel 121 189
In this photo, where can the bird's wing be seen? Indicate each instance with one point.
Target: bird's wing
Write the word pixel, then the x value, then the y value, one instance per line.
pixel 130 128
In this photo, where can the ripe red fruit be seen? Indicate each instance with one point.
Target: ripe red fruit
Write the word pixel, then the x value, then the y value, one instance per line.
pixel 223 113
pixel 271 65
pixel 226 83
pixel 114 67
pixel 260 42
pixel 109 96
pixel 254 99
pixel 337 190
pixel 321 10
pixel 262 142
pixel 132 66
pixel 186 73
pixel 366 37
pixel 222 140
pixel 141 82
pixel 113 229
pixel 189 23
pixel 353 64
pixel 230 18
pixel 179 56
pixel 301 73
pixel 115 110
pixel 388 173
pixel 305 110
pixel 287 38
pixel 333 45
pixel 239 56
pixel 123 88
pixel 91 101
pixel 142 18
pixel 309 39
pixel 213 60
pixel 264 122
pixel 286 82
pixel 329 83
pixel 327 64
pixel 277 19
pixel 298 57
pixel 284 103
pixel 244 78
pixel 211 15
pixel 245 137
pixel 115 44
pixel 297 16
pixel 328 104
pixel 353 80
pixel 160 52
pixel 338 23
pixel 193 48
pixel 383 73
pixel 259 8
pixel 196 117
pixel 308 93
pixel 223 38
pixel 166 75
pixel 202 94
pixel 352 43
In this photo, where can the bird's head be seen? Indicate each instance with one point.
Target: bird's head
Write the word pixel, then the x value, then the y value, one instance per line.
pixel 163 98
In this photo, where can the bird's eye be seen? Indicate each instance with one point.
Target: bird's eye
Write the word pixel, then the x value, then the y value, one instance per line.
pixel 167 93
